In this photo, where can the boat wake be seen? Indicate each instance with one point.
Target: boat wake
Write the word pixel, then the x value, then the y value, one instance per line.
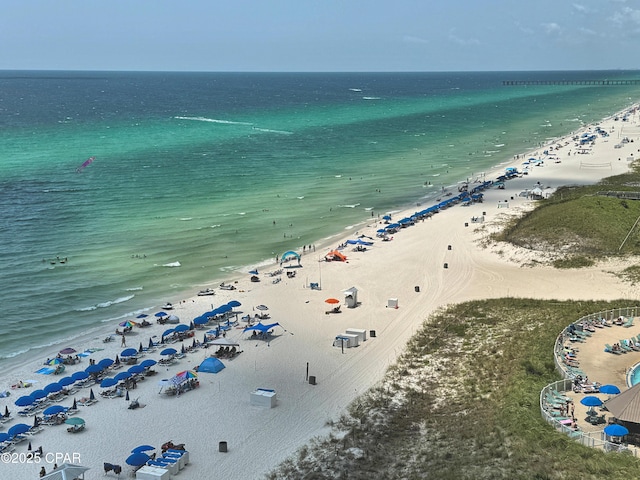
pixel 212 120
pixel 172 264
pixel 268 130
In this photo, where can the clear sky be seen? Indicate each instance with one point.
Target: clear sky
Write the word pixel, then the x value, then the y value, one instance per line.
pixel 319 35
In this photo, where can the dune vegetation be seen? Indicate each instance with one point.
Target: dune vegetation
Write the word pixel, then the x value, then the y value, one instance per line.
pixel 462 402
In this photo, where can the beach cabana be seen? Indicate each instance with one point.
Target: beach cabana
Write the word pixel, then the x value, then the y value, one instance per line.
pixel 67 471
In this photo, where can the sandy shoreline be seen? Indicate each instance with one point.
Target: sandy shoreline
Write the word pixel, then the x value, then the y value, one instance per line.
pixel 258 438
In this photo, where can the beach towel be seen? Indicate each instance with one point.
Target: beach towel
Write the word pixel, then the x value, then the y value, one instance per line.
pixel 46 370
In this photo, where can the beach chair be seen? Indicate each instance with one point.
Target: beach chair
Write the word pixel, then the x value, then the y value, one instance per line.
pixel 609 349
pixel 628 323
pixel 624 346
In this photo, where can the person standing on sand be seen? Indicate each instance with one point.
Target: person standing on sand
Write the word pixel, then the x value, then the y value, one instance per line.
pixel 124 341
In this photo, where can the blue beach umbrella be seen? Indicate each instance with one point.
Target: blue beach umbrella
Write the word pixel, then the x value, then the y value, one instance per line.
pixel 82 375
pixel 167 332
pixel 137 459
pixel 142 315
pixel 616 430
pixel 24 401
pixel 253 272
pixel 609 390
pixel 234 303
pixel 168 351
pixel 108 382
pixel 4 437
pixel 591 401
pixel 66 381
pixel 224 308
pixel 143 448
pixel 105 363
pixel 93 369
pixel 136 369
pixel 128 352
pixel 161 314
pixel 52 388
pixel 53 410
pixel 148 363
pixel 38 394
pixel 122 376
pixel 181 328
pixel 19 429
pixel 201 320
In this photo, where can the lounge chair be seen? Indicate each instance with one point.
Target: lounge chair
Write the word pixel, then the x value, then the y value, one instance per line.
pixel 624 346
pixel 628 323
pixel 609 349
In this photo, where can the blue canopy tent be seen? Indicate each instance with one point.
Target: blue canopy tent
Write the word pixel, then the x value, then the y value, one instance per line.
pixel 259 327
pixel 210 365
pixel 359 241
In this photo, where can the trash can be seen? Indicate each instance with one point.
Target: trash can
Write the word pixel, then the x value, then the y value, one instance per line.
pixel 372 333
pixel 466 224
pixel 222 447
pixel 312 379
pixel 446 265
pixel 417 288
pixel 448 247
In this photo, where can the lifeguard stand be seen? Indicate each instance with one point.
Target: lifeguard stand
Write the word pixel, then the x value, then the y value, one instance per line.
pixel 351 297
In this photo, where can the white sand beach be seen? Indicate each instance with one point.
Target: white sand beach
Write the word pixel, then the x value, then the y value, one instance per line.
pixel 260 438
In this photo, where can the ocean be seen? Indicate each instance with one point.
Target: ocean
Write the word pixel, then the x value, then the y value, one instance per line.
pixel 199 177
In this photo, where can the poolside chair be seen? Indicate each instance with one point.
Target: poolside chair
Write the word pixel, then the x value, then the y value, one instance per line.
pixel 559 395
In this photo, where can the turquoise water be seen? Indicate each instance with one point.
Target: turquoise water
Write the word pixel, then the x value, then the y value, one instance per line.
pixel 221 172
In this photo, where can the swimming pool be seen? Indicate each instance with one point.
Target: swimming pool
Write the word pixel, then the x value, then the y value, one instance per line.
pixel 633 376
